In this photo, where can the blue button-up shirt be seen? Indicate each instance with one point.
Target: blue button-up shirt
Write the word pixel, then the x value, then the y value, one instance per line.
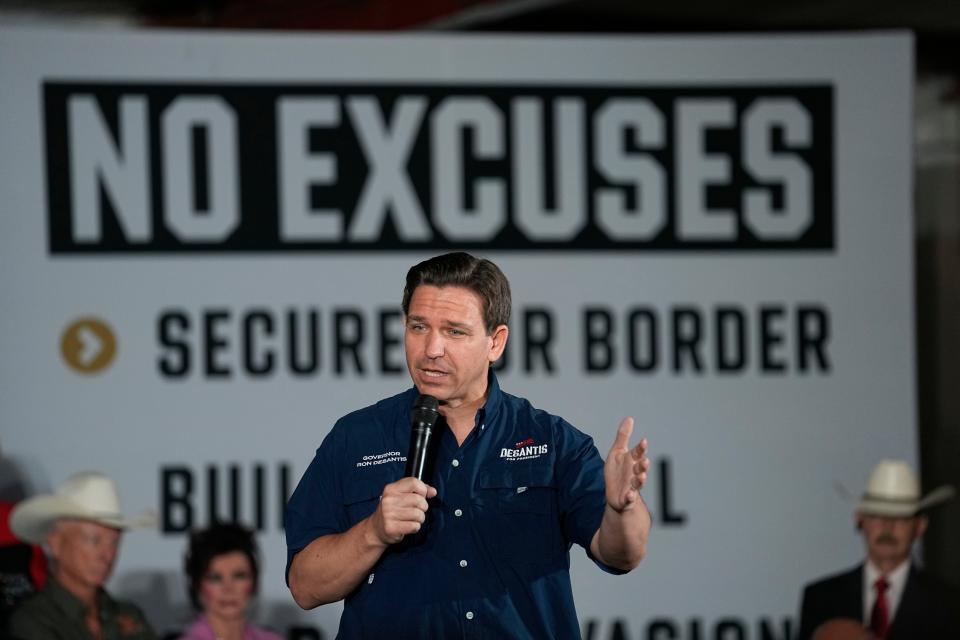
pixel 492 560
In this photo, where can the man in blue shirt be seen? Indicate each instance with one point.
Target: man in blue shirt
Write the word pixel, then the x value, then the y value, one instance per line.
pixel 482 550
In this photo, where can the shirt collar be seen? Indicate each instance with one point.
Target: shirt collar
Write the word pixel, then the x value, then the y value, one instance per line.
pixel 69 603
pixel 896 578
pixel 203 630
pixel 487 414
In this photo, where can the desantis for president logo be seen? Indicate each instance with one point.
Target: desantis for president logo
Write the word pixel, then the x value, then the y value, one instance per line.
pixel 524 450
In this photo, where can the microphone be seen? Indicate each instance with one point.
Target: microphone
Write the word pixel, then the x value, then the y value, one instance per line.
pixel 422 418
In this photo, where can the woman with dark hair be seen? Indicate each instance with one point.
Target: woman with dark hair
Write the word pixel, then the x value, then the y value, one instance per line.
pixel 221 567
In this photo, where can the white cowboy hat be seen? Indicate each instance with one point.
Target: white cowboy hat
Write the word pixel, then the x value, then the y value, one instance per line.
pixel 84 496
pixel 893 490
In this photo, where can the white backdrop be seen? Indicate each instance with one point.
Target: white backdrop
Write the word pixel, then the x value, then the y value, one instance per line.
pixel 746 507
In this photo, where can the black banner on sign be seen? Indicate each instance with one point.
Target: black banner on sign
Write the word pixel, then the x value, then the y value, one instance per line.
pixel 271 168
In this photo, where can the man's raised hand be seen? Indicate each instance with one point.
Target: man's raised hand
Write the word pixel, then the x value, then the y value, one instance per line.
pixel 625 469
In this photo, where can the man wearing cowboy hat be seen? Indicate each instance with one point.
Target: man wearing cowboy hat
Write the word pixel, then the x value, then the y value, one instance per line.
pixel 893 598
pixel 80 526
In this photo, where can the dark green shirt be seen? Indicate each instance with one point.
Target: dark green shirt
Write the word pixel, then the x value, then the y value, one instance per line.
pixel 56 614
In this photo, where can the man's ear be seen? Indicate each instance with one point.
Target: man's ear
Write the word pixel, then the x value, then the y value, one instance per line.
pixel 498 342
pixel 54 541
pixel 922 523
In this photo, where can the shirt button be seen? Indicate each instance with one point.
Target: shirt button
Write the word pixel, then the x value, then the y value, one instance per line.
pixel 469 615
pixel 463 563
pixel 458 512
pixel 455 463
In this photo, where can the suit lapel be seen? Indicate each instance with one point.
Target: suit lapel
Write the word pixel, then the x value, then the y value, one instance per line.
pixel 853 593
pixel 910 607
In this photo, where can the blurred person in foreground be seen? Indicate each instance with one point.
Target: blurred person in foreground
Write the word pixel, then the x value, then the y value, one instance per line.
pixel 223 573
pixel 894 598
pixel 843 629
pixel 480 546
pixel 80 526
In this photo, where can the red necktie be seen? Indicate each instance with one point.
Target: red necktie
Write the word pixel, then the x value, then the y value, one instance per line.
pixel 880 616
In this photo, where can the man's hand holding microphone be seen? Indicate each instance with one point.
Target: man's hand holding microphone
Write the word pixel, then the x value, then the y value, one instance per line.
pixel 403 504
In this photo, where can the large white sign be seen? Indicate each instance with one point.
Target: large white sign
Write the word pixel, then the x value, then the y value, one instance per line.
pixel 204 239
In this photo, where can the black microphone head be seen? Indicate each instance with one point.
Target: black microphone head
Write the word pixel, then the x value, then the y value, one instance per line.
pixel 425 411
pixel 426 402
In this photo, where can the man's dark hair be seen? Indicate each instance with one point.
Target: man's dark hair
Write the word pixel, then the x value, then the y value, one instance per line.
pixel 218 539
pixel 464 270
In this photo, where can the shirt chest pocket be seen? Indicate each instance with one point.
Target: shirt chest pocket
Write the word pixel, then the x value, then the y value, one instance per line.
pixel 361 494
pixel 520 506
pixel 521 490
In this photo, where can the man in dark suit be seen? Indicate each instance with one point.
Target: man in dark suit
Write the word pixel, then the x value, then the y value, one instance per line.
pixel 891 596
